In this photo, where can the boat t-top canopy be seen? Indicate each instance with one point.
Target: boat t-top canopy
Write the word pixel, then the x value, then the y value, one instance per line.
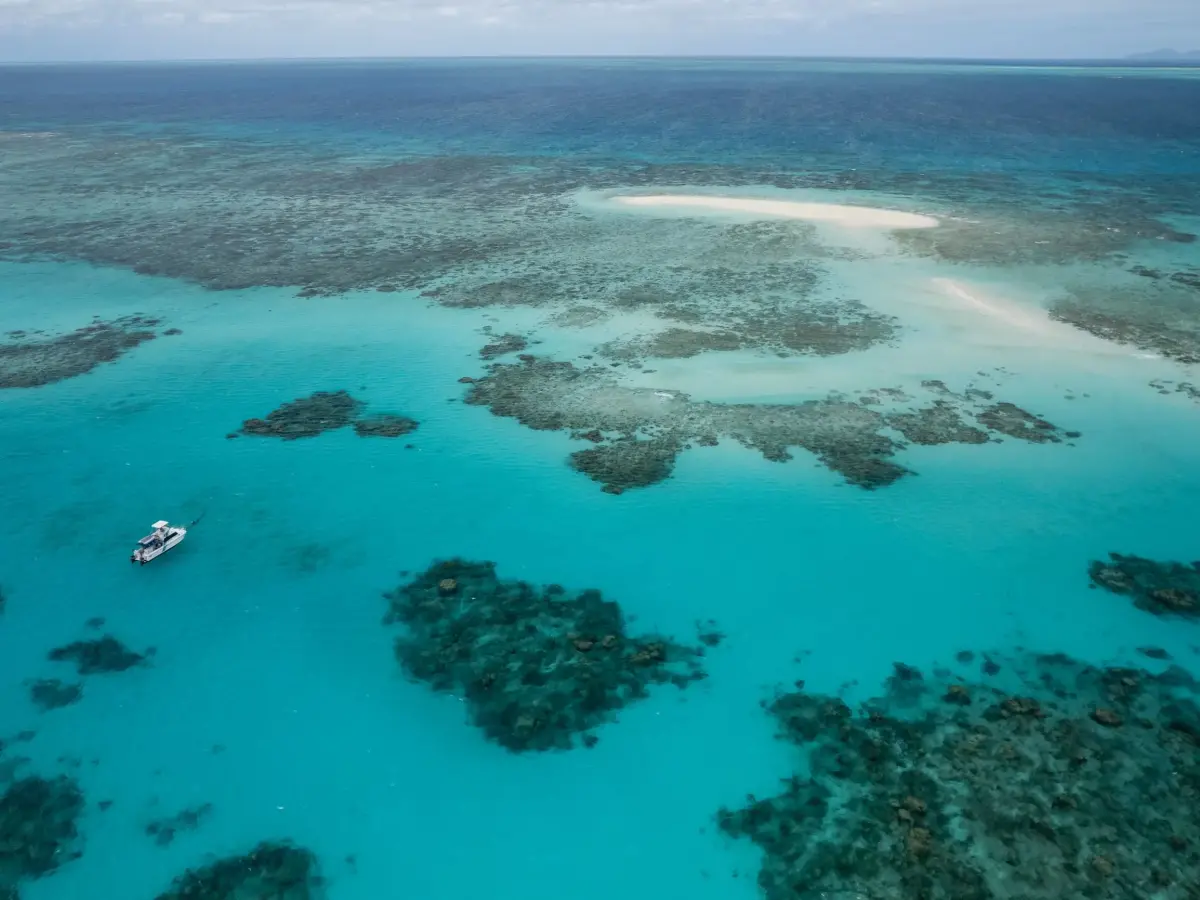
pixel 158 525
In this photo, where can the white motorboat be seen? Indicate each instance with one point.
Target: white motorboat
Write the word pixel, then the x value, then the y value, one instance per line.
pixel 163 538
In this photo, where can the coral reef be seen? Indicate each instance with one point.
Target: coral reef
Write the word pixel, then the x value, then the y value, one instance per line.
pixel 326 411
pixel 165 829
pixel 273 870
pixel 504 344
pixel 708 633
pixel 537 668
pixel 673 343
pixel 50 693
pixel 1158 317
pixel 940 423
pixel 1009 419
pixel 639 432
pixel 1080 782
pixel 328 221
pixel 306 416
pixel 32 361
pixel 1187 277
pixel 1032 236
pixel 38 828
pixel 385 425
pixel 97 656
pixel 1189 390
pixel 943 421
pixel 628 462
pixel 1162 588
pixel 787 325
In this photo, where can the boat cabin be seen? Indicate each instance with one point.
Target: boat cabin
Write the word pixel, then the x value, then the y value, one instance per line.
pixel 156 537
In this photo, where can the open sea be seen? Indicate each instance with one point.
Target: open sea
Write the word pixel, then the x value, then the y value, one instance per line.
pixel 793 449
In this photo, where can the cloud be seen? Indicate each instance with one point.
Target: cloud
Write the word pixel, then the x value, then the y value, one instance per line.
pixel 217 28
pixel 17 13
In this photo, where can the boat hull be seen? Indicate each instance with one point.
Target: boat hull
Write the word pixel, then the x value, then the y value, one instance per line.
pixel 144 555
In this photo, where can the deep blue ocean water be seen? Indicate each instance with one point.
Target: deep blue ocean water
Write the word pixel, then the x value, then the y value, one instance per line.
pixel 274 694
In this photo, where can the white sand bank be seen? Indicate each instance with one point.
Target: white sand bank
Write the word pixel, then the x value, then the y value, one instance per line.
pixel 849 216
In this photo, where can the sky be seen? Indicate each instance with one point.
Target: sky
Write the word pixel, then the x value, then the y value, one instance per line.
pixel 40 30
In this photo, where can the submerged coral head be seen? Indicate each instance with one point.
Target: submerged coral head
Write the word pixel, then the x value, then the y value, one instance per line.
pixel 537 669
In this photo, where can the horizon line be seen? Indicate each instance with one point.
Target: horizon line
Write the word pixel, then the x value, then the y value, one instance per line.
pixel 1133 61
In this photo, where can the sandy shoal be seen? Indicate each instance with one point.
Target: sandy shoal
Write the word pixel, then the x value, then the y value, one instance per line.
pixel 851 216
pixel 1032 323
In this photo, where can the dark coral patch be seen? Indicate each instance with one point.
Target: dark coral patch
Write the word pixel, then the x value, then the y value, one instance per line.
pixel 277 870
pixel 939 423
pixel 326 411
pixel 1010 419
pixel 101 655
pixel 537 668
pixel 1161 317
pixel 50 693
pixel 981 794
pixel 306 416
pixel 386 425
pixel 39 828
pixel 32 362
pixel 1162 588
pixel 628 463
pixel 506 343
pixel 166 829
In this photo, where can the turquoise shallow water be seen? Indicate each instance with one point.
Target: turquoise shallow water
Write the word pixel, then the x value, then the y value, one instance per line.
pixel 274 694
pixel 267 619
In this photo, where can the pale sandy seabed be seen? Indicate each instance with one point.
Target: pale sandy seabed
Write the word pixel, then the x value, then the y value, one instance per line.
pixel 956 320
